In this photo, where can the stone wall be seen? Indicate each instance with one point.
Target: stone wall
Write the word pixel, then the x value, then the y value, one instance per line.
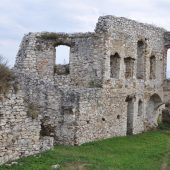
pixel 100 115
pixel 122 36
pixel 37 55
pixel 19 133
pixel 108 60
pixel 103 113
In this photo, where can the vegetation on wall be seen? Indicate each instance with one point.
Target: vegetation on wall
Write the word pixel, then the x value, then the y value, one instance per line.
pixel 51 36
pixel 6 77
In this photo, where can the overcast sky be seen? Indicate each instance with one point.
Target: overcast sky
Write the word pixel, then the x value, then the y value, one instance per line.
pixel 18 17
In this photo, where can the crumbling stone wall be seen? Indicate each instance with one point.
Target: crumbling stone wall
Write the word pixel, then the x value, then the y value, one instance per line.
pixel 37 55
pixel 19 133
pixel 112 86
pixel 116 58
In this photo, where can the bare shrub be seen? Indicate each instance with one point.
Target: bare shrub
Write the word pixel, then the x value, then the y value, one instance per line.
pixel 6 76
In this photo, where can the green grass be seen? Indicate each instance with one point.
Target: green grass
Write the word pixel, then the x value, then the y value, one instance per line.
pixel 147 151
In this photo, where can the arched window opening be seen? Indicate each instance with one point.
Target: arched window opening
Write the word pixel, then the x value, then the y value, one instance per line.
pixel 152 67
pixel 152 109
pixel 168 65
pixel 140 108
pixel 140 59
pixel 62 56
pixel 114 65
pixel 129 67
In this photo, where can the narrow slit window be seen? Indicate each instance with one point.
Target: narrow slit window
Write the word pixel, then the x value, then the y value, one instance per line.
pixel 152 67
pixel 130 113
pixel 140 59
pixel 129 67
pixel 140 108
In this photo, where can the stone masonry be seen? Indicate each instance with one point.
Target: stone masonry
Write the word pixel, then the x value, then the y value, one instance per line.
pixel 114 85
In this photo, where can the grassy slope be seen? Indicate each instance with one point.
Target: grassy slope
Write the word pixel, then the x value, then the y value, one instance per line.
pixel 146 151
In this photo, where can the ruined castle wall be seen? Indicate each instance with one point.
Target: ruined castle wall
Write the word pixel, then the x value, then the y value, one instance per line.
pixel 111 87
pixel 104 114
pixel 100 115
pixel 58 107
pixel 37 55
pixel 87 60
pixel 128 39
pixel 123 36
pixel 48 98
pixel 19 133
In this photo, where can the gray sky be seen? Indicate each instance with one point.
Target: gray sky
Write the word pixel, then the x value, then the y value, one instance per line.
pixel 18 17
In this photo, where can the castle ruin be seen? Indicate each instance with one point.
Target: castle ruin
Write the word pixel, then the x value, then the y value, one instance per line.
pixel 114 85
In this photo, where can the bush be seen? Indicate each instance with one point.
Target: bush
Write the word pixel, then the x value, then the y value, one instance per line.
pixel 164 126
pixel 6 76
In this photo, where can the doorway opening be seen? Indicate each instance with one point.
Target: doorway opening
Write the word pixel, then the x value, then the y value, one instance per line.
pixel 130 113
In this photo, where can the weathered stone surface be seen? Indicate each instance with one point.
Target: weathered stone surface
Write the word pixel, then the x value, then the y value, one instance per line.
pixel 19 134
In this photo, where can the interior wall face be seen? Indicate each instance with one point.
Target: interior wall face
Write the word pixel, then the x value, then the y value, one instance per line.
pixel 101 115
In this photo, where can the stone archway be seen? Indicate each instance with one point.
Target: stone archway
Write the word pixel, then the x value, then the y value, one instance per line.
pixel 152 110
